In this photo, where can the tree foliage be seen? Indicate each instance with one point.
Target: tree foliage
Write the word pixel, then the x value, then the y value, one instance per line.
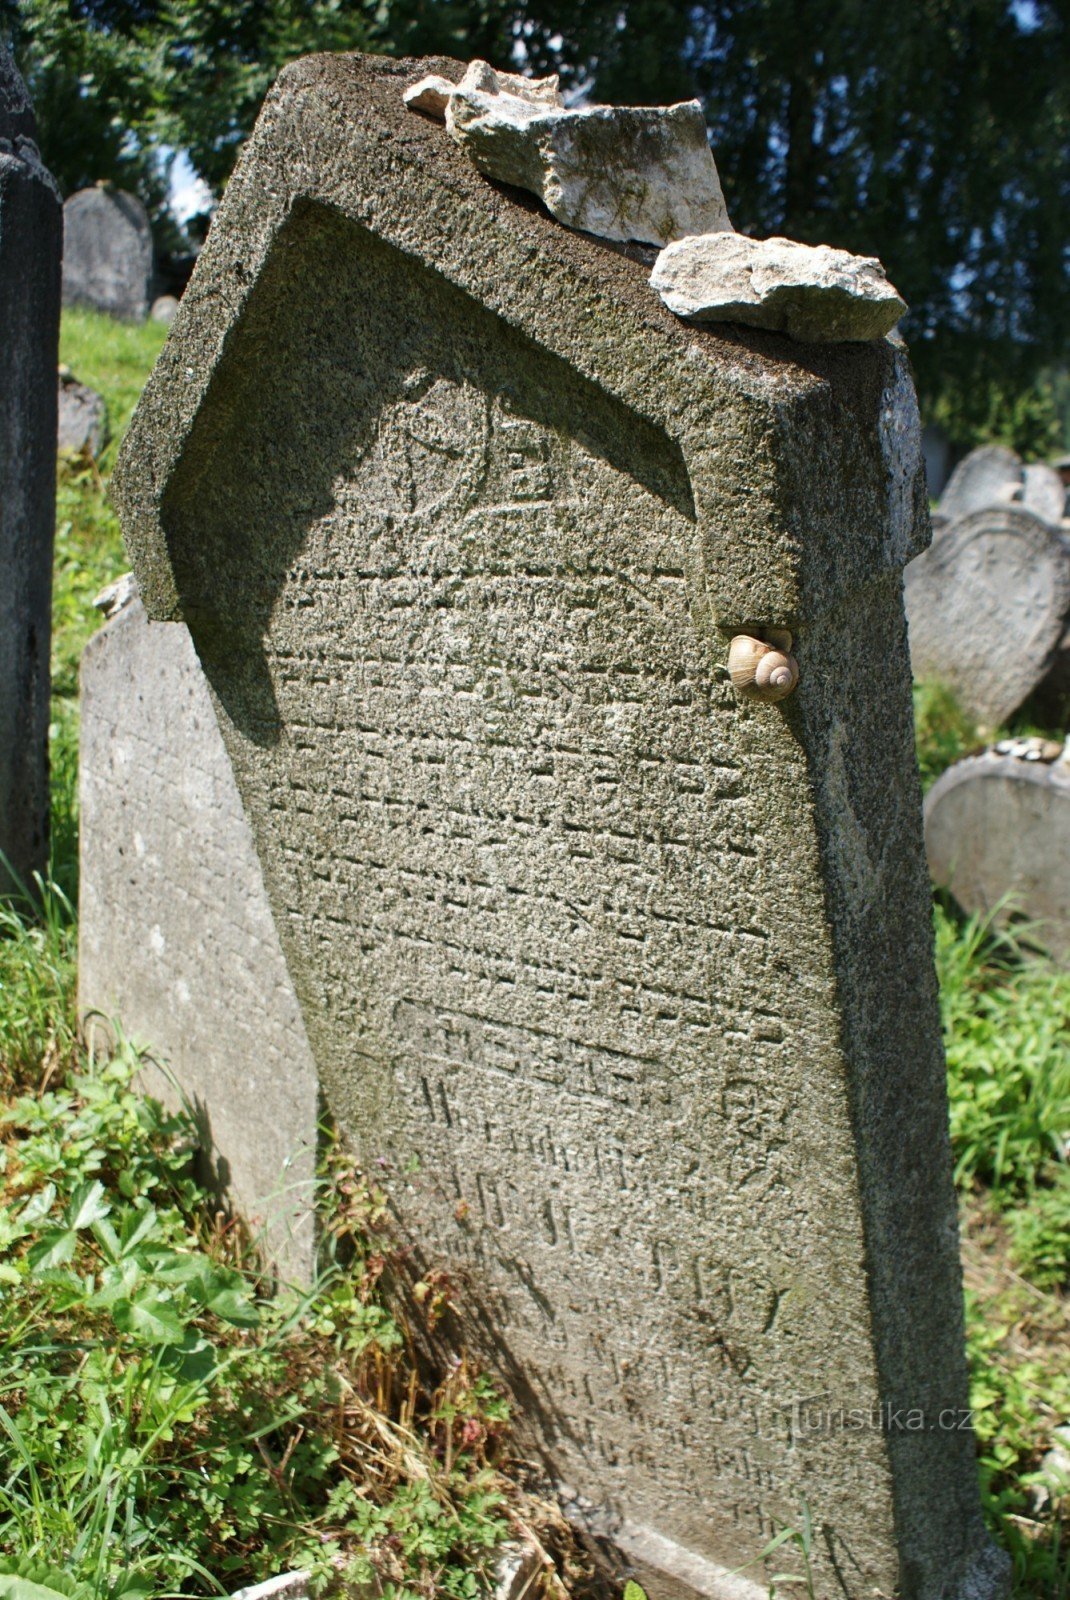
pixel 91 89
pixel 933 133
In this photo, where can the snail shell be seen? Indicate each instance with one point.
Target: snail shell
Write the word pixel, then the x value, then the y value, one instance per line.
pixel 763 671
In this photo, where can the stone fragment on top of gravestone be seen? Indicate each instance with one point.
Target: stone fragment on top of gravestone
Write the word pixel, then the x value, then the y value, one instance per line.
pixel 630 972
pixel 31 223
pixel 176 939
pixel 1042 491
pixel 83 416
pixel 997 834
pixel 811 292
pixel 642 173
pixel 986 605
pixel 107 253
pixel 990 475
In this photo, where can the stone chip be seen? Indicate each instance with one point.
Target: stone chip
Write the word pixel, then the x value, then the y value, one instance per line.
pixel 812 292
pixel 629 173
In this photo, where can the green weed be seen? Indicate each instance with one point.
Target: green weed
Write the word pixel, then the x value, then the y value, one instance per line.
pixel 1006 1017
pixel 169 1422
pixel 37 975
pixel 112 357
pixel 943 732
pixel 1007 1033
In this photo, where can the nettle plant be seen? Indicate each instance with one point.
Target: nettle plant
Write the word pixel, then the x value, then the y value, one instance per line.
pixel 170 1421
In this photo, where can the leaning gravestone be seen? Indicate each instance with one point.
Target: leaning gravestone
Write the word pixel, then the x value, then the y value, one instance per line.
pixel 997 834
pixel 988 476
pixel 107 253
pixel 30 244
pixel 986 606
pixel 637 972
pixel 176 940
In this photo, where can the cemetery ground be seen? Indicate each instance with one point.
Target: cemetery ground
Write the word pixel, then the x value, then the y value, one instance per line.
pixel 171 1422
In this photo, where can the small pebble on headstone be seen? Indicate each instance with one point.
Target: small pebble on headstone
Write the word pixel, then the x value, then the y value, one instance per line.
pixel 811 292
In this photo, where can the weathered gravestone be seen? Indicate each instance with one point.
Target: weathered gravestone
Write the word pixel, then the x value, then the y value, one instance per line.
pixel 990 475
pixel 30 244
pixel 987 605
pixel 107 253
pixel 997 834
pixel 83 416
pixel 1042 491
pixel 461 521
pixel 176 941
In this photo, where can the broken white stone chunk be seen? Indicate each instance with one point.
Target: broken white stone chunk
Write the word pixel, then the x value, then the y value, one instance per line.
pixel 481 76
pixel 431 94
pixel 641 173
pixel 811 292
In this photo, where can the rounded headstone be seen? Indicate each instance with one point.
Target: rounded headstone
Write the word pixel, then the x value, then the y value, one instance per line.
pixel 1042 492
pixel 107 253
pixel 986 605
pixel 997 834
pixel 989 476
pixel 163 309
pixel 83 417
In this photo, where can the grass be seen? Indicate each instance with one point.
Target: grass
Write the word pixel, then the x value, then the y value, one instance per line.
pixel 184 1423
pixel 170 1421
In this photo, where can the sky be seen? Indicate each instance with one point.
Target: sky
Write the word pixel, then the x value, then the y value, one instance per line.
pixel 189 194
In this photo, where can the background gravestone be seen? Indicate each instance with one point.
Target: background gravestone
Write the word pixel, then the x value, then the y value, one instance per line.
pixel 83 416
pixel 1042 491
pixel 461 520
pixel 987 605
pixel 30 244
pixel 998 827
pixel 990 475
pixel 107 253
pixel 176 941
